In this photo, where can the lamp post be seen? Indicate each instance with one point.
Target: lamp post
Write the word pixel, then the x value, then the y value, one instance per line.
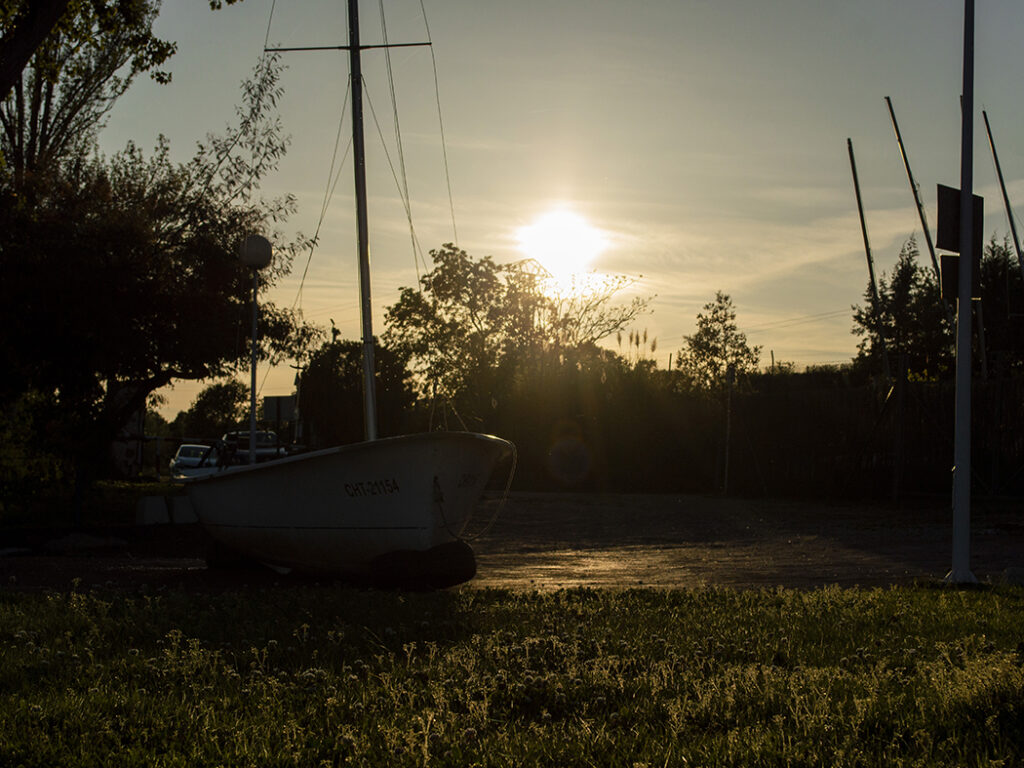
pixel 256 253
pixel 961 573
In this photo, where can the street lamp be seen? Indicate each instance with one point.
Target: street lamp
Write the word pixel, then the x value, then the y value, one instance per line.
pixel 255 253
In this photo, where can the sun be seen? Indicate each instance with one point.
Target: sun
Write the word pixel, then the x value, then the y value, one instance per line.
pixel 563 242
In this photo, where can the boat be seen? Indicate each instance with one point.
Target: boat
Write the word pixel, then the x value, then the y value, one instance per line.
pixel 392 511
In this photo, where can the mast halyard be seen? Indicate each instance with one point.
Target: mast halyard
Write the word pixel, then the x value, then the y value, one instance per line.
pixel 359 156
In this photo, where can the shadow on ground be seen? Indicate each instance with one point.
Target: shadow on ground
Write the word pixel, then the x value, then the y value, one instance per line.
pixel 549 541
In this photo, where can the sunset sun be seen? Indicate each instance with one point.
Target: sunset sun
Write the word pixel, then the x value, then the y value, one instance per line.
pixel 563 242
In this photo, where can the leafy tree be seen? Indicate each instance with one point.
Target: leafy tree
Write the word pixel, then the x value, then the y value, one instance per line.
pixel 1002 301
pixel 909 317
pixel 82 38
pixel 716 348
pixel 122 275
pixel 27 470
pixel 89 59
pixel 331 393
pixel 474 323
pixel 219 407
pixel 25 25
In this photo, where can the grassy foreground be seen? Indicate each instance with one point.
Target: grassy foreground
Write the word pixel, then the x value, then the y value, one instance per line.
pixel 324 676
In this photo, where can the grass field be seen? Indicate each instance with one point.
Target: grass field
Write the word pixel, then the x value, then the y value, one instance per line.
pixel 317 676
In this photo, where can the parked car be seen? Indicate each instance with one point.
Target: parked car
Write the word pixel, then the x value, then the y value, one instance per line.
pixel 191 456
pixel 267 445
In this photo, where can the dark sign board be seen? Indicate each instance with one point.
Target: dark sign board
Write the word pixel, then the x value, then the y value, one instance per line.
pixel 948 235
pixel 949 272
pixel 279 408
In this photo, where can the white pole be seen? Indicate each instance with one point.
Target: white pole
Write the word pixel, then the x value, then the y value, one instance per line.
pixel 961 570
pixel 252 384
pixel 256 252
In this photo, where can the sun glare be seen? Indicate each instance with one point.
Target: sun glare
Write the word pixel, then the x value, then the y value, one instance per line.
pixel 563 242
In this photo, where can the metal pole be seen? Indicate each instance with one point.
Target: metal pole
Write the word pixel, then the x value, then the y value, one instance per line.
pixel 961 566
pixel 730 376
pixel 915 191
pixel 1006 199
pixel 871 264
pixel 359 154
pixel 252 383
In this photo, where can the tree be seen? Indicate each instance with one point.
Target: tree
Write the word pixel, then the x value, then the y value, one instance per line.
pixel 909 320
pixel 122 275
pixel 473 323
pixel 89 59
pixel 716 348
pixel 331 393
pixel 1002 302
pixel 71 36
pixel 218 408
pixel 25 25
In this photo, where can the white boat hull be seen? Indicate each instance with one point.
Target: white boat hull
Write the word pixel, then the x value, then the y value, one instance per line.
pixel 355 508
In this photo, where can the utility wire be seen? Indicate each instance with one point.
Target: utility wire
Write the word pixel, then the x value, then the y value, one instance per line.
pixel 773 324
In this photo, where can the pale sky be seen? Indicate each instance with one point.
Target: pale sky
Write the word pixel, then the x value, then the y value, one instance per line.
pixel 706 141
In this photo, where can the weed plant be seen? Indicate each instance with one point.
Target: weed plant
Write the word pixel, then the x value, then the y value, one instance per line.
pixel 320 676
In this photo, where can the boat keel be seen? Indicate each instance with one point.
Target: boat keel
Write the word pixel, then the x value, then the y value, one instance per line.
pixel 444 565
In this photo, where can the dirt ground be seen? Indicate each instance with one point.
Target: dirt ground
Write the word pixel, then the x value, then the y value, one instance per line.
pixel 549 541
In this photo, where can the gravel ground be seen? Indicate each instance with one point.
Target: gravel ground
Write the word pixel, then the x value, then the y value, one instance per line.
pixel 548 541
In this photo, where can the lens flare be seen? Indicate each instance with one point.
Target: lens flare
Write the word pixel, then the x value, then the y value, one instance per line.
pixel 563 242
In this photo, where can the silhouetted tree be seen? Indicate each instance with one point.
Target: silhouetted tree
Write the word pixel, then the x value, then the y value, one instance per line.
pixel 331 394
pixel 473 324
pixel 122 275
pixel 76 74
pixel 1002 302
pixel 716 347
pixel 23 26
pixel 218 408
pixel 909 316
pixel 80 55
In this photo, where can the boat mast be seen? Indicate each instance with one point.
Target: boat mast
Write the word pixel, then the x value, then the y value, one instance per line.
pixel 359 155
pixel 871 264
pixel 1006 199
pixel 354 49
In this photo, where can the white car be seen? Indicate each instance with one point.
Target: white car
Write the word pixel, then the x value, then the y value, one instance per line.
pixel 192 456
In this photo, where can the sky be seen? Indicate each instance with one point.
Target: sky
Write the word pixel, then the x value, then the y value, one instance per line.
pixel 704 141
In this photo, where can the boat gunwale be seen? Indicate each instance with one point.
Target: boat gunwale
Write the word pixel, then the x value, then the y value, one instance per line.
pixel 237 470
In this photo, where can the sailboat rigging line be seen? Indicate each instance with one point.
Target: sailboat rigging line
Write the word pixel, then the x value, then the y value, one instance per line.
pixel 398 136
pixel 259 391
pixel 270 20
pixel 403 194
pixel 460 535
pixel 440 123
pixel 332 184
pixel 501 504
pixel 328 193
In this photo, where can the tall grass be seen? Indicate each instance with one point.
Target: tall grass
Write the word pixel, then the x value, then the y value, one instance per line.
pixel 319 676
